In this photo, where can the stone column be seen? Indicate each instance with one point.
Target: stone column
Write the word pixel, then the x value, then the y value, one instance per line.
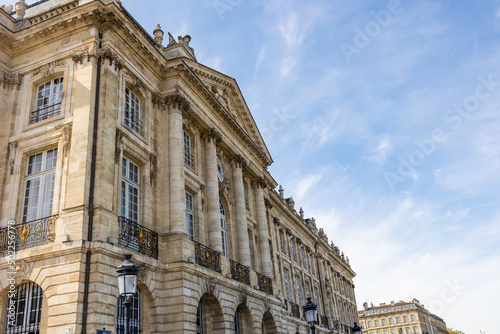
pixel 211 138
pixel 176 104
pixel 241 216
pixel 262 230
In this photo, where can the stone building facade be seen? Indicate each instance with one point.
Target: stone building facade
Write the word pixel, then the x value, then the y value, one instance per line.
pixel 114 141
pixel 400 318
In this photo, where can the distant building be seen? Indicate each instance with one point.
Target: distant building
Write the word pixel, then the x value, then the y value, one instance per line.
pixel 400 318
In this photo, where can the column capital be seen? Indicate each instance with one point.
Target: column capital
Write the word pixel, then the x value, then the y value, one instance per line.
pixel 268 203
pixel 259 183
pixel 238 161
pixel 212 135
pixel 173 102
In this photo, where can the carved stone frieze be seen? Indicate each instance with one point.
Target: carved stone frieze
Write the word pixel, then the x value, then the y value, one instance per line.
pixel 48 69
pixel 66 138
pixel 118 145
pixel 152 173
pixel 12 156
pixel 93 50
pixel 11 80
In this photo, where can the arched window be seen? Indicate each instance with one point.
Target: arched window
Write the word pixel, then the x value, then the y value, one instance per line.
pixel 133 111
pixel 48 100
pixel 135 315
pixel 24 309
pixel 223 226
pixel 199 320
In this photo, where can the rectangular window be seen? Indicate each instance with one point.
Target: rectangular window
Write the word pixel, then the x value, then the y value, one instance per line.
pixel 287 285
pixel 376 323
pixel 316 299
pixel 393 331
pixel 299 290
pixel 282 242
pixel 308 290
pixel 48 100
pixel 311 263
pixel 130 190
pixel 407 330
pixel 385 332
pixel 294 251
pixel 330 303
pixel 398 320
pixel 303 258
pixel 132 111
pixel 412 317
pixel 415 330
pixel 405 318
pixel 190 216
pixel 39 185
pixel 383 322
pixel 188 157
pixel 369 324
pixel 391 321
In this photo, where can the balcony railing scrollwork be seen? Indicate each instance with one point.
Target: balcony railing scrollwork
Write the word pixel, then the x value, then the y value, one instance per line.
pixel 265 283
pixel 295 310
pixel 207 257
pixel 138 238
pixel 45 112
pixel 30 234
pixel 240 272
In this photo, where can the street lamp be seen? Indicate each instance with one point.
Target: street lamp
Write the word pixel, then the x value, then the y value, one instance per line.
pixel 311 313
pixel 127 284
pixel 356 329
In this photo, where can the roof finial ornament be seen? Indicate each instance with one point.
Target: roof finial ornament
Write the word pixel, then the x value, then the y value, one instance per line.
pixel 158 33
pixel 282 192
pixel 21 7
pixel 301 212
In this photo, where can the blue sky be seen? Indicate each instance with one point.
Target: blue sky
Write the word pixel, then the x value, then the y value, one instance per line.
pixel 383 121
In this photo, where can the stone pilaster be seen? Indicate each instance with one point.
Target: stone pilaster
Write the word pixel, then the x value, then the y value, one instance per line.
pixel 211 138
pixel 262 230
pixel 176 104
pixel 241 217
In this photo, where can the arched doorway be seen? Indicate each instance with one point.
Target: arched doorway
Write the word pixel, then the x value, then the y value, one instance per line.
pixel 209 317
pixel 243 320
pixel 24 309
pixel 268 324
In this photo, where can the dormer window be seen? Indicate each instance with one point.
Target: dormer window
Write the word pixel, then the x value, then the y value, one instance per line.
pixel 133 111
pixel 48 100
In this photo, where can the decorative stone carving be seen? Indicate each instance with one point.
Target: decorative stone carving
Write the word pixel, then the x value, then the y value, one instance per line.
pixel 176 101
pixel 171 40
pixel 152 173
pixel 9 80
pixel 86 51
pixel 8 8
pixel 268 203
pixel 210 285
pixel 141 278
pixel 290 202
pixel 259 182
pixel 267 305
pixel 21 7
pixel 223 98
pixel 12 156
pixel 66 138
pixel 23 270
pixel 238 161
pixel 243 297
pixel 118 145
pixel 136 82
pixel 185 41
pixel 281 191
pixel 301 213
pixel 108 53
pixel 48 69
pixel 158 33
pixel 212 134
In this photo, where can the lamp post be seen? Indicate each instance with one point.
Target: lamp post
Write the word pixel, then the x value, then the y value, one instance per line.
pixel 127 284
pixel 311 313
pixel 356 329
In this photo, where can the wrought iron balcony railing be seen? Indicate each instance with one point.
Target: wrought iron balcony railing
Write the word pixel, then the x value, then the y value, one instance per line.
pixel 30 234
pixel 323 321
pixel 295 310
pixel 240 272
pixel 133 121
pixel 265 283
pixel 206 257
pixel 138 238
pixel 44 113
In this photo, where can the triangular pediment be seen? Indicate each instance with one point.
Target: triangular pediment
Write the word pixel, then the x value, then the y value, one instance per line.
pixel 228 94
